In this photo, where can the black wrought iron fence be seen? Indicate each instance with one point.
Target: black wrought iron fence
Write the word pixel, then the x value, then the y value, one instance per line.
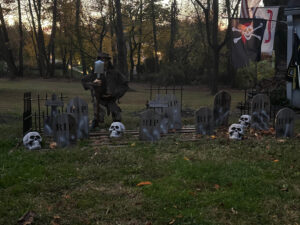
pixel 166 90
pixel 36 111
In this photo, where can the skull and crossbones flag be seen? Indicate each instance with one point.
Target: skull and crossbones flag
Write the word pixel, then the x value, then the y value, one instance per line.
pixel 247 36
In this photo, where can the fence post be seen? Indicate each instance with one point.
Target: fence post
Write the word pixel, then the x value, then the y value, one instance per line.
pixel 27 116
pixel 47 112
pixel 39 112
pixel 181 96
pixel 150 91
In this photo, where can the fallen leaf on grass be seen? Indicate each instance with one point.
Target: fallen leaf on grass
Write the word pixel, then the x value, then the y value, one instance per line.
pixel 213 137
pixel 54 223
pixel 179 216
pixel 53 145
pixel 217 186
pixel 281 140
pixel 186 158
pixel 67 196
pixel 276 160
pixel 172 221
pixel 27 218
pixel 144 183
pixel 133 144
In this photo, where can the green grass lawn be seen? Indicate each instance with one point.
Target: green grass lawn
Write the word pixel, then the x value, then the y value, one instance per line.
pixel 207 181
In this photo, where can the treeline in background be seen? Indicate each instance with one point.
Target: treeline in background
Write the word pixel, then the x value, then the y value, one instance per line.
pixel 165 42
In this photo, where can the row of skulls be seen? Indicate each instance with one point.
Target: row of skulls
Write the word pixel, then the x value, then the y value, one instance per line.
pixel 236 130
pixel 33 140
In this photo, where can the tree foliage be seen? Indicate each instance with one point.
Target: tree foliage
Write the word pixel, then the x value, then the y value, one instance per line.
pixel 170 44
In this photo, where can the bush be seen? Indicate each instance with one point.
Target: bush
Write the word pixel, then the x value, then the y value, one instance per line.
pixel 246 76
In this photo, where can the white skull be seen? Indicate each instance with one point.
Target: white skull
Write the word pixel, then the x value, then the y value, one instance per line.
pixel 245 120
pixel 236 131
pixel 116 130
pixel 32 140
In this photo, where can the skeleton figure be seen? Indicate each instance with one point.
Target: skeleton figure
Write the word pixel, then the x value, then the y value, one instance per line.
pixel 236 132
pixel 116 130
pixel 247 32
pixel 32 141
pixel 245 120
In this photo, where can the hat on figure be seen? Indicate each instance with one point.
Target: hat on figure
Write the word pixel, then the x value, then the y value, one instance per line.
pixel 102 55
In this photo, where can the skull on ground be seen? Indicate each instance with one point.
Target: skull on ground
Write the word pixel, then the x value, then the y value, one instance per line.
pixel 32 140
pixel 116 130
pixel 245 120
pixel 236 132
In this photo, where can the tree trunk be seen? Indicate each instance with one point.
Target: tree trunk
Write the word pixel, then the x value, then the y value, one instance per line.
pixel 138 66
pixel 112 31
pixel 154 35
pixel 173 31
pixel 21 41
pixel 51 46
pixel 122 52
pixel 102 34
pixel 39 37
pixel 79 38
pixel 4 44
pixel 215 42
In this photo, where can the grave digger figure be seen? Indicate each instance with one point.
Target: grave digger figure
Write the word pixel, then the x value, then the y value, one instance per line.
pixel 107 85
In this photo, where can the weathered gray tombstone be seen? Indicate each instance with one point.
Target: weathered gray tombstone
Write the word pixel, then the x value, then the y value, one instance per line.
pixel 175 112
pixel 79 109
pixel 204 121
pixel 150 126
pixel 260 111
pixel 161 109
pixel 65 130
pixel 172 112
pixel 284 123
pixel 221 110
pixel 53 103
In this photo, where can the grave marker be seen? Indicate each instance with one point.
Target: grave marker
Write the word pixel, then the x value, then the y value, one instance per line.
pixel 79 109
pixel 260 111
pixel 221 111
pixel 284 123
pixel 204 121
pixel 150 126
pixel 49 120
pixel 65 132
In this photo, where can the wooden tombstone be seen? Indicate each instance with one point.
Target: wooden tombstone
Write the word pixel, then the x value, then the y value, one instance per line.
pixel 260 111
pixel 284 123
pixel 53 103
pixel 65 132
pixel 204 121
pixel 150 126
pixel 79 109
pixel 221 110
